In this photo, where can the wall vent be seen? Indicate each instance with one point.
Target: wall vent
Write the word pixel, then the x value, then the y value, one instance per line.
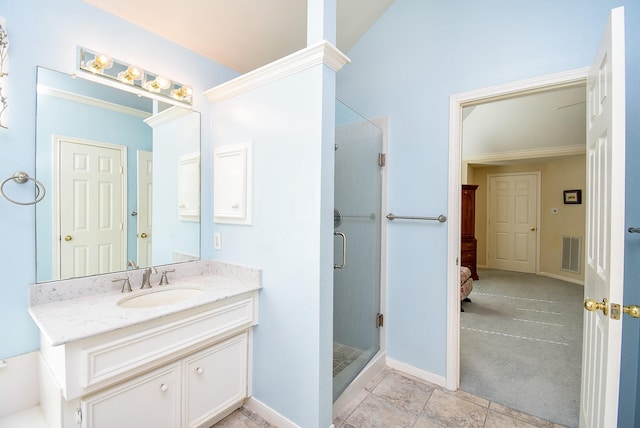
pixel 571 250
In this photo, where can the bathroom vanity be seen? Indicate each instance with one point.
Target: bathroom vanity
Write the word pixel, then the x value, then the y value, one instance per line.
pixel 176 355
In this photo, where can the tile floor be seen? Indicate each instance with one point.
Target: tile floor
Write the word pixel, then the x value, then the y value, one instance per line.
pixel 394 399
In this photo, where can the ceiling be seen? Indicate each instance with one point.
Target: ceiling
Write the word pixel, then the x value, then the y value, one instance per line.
pixel 542 122
pixel 247 34
pixel 242 34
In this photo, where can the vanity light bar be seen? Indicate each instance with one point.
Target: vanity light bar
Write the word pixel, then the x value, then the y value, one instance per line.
pixel 146 83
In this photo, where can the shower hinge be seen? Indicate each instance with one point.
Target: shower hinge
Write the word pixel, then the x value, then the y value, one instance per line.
pixel 382 159
pixel 379 320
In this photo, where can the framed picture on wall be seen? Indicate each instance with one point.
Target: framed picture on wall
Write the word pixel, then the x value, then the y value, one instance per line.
pixel 572 196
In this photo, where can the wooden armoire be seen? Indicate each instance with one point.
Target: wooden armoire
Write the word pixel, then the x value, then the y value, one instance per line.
pixel 468 244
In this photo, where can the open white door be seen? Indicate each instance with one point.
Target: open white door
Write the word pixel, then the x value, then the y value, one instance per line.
pixel 605 229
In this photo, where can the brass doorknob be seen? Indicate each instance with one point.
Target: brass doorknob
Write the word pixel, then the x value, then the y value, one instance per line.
pixel 593 305
pixel 68 238
pixel 632 310
pixel 533 229
pixel 143 235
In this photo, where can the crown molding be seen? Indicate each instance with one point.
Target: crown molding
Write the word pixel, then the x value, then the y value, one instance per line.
pixel 166 116
pixel 94 102
pixel 320 53
pixel 547 152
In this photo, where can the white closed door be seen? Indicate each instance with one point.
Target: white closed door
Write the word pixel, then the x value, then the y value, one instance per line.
pixel 145 204
pixel 513 217
pixel 91 208
pixel 605 228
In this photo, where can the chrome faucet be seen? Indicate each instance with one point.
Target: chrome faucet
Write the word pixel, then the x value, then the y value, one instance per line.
pixel 132 264
pixel 163 279
pixel 146 277
pixel 126 285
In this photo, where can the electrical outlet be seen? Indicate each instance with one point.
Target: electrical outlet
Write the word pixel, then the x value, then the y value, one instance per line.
pixel 217 241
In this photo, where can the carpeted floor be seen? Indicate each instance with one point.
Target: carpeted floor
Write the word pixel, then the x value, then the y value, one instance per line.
pixel 521 344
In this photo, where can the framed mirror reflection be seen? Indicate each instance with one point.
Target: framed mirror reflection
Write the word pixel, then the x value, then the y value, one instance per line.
pixel 111 163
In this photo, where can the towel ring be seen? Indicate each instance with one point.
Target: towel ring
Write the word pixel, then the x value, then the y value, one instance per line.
pixel 21 178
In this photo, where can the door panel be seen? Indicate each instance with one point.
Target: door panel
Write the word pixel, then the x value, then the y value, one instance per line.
pixel 91 201
pixel 512 231
pixel 605 226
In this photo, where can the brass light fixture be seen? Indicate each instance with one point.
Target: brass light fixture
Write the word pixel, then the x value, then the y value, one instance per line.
pixel 182 93
pixel 144 82
pixel 99 63
pixel 131 74
pixel 156 85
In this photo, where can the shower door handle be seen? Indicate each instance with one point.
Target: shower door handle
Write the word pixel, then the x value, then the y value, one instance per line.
pixel 344 250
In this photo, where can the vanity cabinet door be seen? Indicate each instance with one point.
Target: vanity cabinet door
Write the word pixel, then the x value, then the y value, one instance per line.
pixel 150 400
pixel 215 380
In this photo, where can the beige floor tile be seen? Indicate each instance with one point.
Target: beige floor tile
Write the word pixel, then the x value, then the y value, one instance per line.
pixel 236 420
pixel 427 423
pixel 376 380
pixel 535 421
pixel 344 414
pixel 499 420
pixel 404 392
pixel 473 398
pixel 449 410
pixel 375 412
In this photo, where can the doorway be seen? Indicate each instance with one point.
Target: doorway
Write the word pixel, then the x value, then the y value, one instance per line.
pixel 357 246
pixel 509 157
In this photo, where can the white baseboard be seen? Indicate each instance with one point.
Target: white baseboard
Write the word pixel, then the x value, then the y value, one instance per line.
pixel 562 278
pixel 268 414
pixel 416 372
pixel 18 384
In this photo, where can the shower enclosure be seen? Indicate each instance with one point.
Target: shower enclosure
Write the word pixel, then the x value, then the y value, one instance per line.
pixel 357 252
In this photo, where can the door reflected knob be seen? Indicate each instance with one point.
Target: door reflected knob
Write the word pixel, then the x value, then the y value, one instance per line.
pixel 593 306
pixel 68 238
pixel 632 310
pixel 143 235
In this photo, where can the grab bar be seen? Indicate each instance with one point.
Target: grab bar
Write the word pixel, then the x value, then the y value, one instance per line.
pixel 441 218
pixel 344 250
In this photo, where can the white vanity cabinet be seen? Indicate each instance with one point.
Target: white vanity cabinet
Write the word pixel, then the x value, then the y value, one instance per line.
pixel 215 380
pixel 151 400
pixel 188 369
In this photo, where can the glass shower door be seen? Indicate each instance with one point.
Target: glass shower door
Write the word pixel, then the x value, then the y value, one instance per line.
pixel 357 223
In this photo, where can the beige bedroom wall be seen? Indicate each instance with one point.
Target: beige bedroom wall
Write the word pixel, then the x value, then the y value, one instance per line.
pixel 556 175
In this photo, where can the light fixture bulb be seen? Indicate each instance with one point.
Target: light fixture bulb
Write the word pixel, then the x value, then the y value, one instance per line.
pixel 100 62
pixel 182 93
pixel 130 74
pixel 158 84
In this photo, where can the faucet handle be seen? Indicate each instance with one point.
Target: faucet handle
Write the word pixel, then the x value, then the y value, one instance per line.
pixel 163 279
pixel 126 285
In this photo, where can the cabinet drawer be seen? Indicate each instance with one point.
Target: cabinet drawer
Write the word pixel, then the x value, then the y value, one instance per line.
pixel 468 246
pixel 133 353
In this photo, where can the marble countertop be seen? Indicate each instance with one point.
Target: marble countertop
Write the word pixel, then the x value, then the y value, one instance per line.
pixel 78 318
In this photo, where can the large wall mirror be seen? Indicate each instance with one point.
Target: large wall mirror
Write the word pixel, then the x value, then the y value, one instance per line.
pixel 122 174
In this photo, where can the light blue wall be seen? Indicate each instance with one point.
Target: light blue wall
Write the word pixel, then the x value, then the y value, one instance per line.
pixel 417 55
pixel 175 235
pixel 291 125
pixel 66 118
pixel 47 33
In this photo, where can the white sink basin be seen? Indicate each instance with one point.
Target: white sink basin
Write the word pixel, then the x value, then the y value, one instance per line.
pixel 163 297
